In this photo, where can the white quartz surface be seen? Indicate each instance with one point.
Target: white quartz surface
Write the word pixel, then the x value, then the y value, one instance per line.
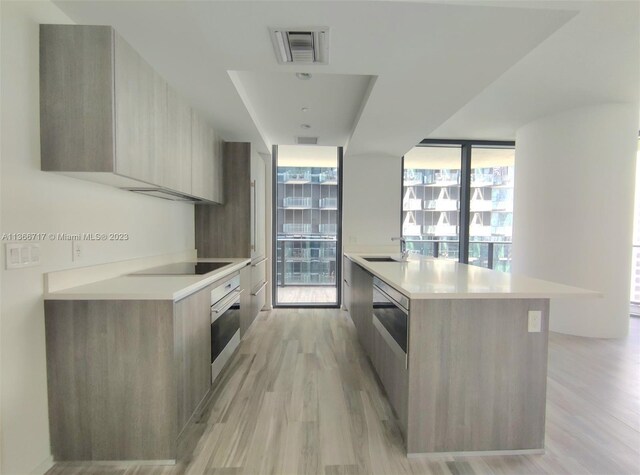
pixel 429 278
pixel 148 287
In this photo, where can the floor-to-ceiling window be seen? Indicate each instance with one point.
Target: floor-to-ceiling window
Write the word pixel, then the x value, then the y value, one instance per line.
pixel 307 211
pixel 635 251
pixel 491 207
pixel 431 201
pixel 458 201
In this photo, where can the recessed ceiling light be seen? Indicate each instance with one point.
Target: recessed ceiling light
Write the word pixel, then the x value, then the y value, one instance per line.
pixel 303 76
pixel 305 126
pixel 305 109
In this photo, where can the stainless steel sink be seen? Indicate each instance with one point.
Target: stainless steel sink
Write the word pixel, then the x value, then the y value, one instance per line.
pixel 381 259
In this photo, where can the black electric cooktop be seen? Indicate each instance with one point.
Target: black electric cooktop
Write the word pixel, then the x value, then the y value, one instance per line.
pixel 183 268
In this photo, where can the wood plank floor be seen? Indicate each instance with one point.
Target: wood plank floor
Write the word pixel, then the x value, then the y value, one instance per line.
pixel 300 397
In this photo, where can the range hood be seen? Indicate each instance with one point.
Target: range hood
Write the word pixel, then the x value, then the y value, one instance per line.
pixel 165 194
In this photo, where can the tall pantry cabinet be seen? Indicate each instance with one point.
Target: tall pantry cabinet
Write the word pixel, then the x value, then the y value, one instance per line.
pixel 237 228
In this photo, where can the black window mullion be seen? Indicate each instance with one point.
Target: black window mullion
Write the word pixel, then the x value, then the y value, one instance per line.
pixel 465 203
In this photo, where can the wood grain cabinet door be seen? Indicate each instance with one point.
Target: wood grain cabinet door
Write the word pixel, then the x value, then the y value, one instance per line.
pixel 176 172
pixel 140 116
pixel 192 343
pixel 206 178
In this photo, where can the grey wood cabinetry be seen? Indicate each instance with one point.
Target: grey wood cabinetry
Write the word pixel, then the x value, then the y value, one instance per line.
pixel 477 375
pixel 236 229
pixel 107 116
pixel 346 283
pixel 140 106
pixel 206 159
pixel 125 377
pixel 474 379
pixel 360 303
pixel 178 166
pixel 393 374
pixel 192 346
pixel 246 317
pixel 225 231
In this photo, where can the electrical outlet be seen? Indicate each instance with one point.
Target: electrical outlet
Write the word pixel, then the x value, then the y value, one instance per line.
pixel 535 321
pixel 76 251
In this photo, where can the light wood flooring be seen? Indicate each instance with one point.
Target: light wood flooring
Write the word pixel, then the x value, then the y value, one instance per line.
pixel 300 397
pixel 306 294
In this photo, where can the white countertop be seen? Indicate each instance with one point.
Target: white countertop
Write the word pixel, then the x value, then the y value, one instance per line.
pixel 429 278
pixel 148 287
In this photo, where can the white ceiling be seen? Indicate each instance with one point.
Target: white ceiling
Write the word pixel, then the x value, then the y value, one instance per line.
pixel 593 59
pixel 470 69
pixel 275 101
pixel 307 156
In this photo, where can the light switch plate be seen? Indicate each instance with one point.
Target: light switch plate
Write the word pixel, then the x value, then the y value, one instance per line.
pixel 21 254
pixel 535 321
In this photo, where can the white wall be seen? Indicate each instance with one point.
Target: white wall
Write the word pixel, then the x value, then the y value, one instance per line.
pixel 372 186
pixel 35 201
pixel 573 209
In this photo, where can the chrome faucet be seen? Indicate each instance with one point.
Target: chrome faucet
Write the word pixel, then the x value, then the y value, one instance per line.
pixel 403 248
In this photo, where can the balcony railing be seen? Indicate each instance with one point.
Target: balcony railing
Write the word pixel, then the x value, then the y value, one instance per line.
pixel 329 203
pixel 489 254
pixel 328 228
pixel 297 202
pixel 306 261
pixel 293 228
pixel 296 176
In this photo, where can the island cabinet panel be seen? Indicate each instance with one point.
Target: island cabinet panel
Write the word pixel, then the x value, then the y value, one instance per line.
pixel 477 377
pixel 346 284
pixel 111 379
pixel 192 343
pixel 392 371
pixel 361 305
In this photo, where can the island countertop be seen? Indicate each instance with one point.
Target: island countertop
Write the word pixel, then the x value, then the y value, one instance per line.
pixel 149 287
pixel 429 278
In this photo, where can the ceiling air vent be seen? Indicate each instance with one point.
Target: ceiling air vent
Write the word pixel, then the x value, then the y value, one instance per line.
pixel 301 45
pixel 307 140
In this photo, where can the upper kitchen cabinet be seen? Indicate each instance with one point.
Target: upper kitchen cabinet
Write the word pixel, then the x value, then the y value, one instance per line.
pixel 178 167
pixel 140 111
pixel 107 116
pixel 206 159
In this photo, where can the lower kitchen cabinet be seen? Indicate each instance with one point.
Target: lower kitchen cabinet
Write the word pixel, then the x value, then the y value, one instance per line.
pixel 192 352
pixel 360 305
pixel 125 377
pixel 392 371
pixel 253 279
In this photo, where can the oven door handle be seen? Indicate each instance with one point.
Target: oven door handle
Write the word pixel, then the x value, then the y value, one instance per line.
pixel 225 305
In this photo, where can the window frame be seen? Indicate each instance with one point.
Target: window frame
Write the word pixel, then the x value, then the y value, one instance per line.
pixel 466 148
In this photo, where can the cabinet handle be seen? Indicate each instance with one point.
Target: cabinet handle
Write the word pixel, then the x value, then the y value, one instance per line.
pixel 255 214
pixel 264 284
pixel 259 262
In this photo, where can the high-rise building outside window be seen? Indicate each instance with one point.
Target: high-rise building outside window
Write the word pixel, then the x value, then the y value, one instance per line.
pixel 431 201
pixel 434 219
pixel 491 207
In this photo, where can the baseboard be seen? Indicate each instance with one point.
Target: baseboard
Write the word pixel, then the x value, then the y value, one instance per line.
pixel 44 466
pixel 476 453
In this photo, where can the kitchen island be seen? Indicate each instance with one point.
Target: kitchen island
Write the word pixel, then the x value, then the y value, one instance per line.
pixel 460 350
